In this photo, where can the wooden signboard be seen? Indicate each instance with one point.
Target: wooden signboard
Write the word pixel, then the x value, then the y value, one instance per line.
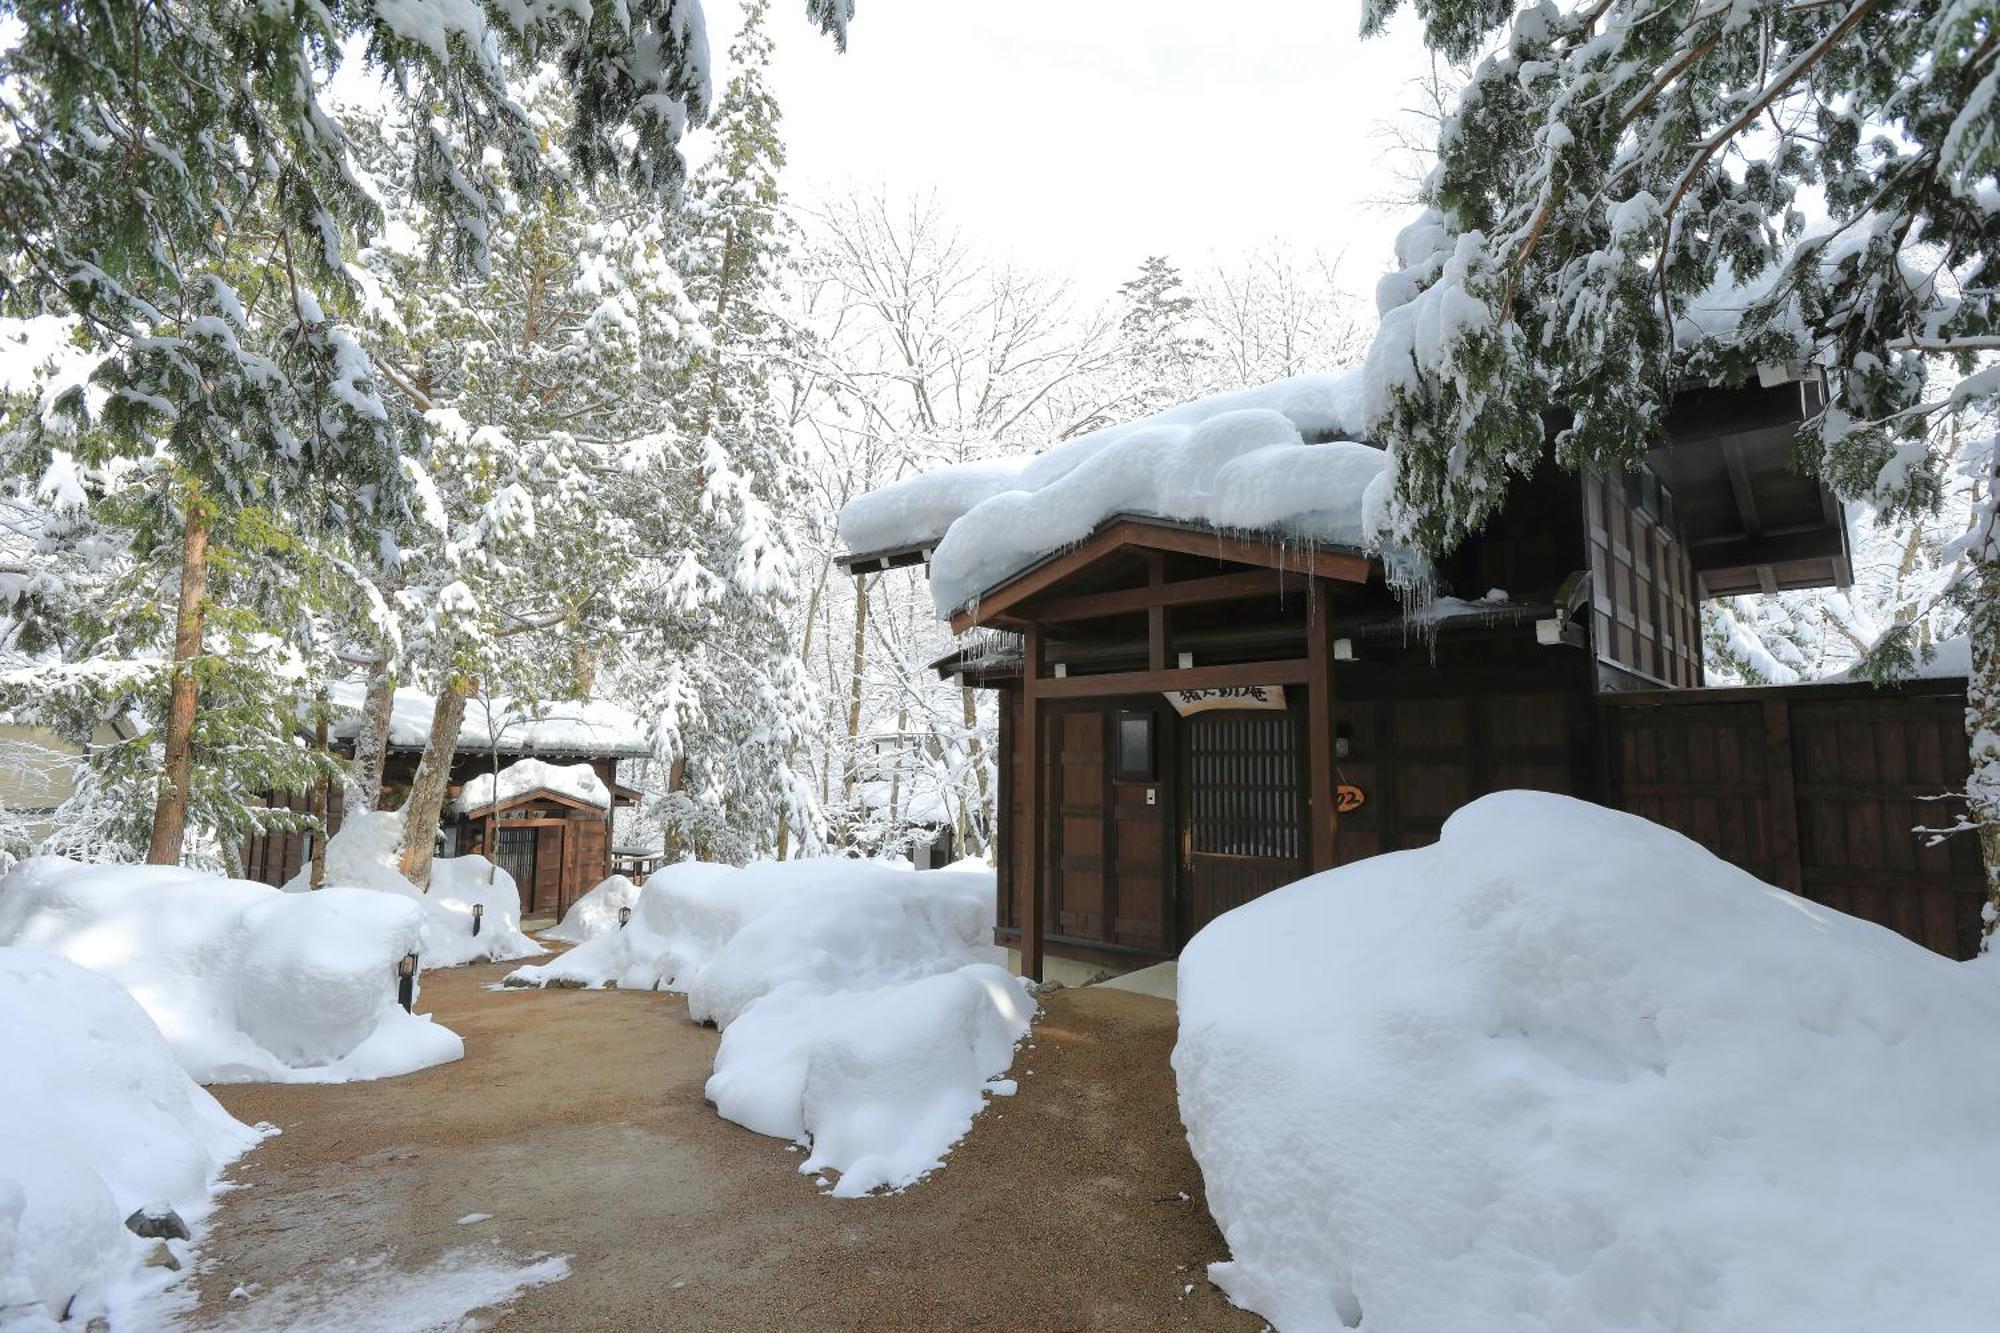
pixel 1257 698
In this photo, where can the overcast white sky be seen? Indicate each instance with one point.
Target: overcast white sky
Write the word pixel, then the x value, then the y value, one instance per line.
pixel 1083 135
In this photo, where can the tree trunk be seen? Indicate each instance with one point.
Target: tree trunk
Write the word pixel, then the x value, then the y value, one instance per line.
pixel 420 816
pixel 670 846
pixel 1982 727
pixel 325 804
pixel 371 742
pixel 978 755
pixel 858 661
pixel 171 811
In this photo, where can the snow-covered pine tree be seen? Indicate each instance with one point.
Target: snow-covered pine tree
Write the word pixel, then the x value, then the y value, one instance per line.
pixel 549 383
pixel 173 183
pixel 1609 163
pixel 716 655
pixel 1160 346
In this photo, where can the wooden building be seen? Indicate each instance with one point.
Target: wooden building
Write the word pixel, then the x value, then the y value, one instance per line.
pixel 553 840
pixel 1191 717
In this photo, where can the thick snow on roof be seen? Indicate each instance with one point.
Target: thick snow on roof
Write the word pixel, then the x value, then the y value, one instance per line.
pixel 1565 1071
pixel 579 782
pixel 563 727
pixel 1235 460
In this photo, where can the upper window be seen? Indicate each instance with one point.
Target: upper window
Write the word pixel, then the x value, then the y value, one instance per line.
pixel 1135 747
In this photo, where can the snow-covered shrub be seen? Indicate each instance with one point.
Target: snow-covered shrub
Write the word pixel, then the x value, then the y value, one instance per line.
pixel 595 913
pixel 100 1121
pixel 863 1007
pixel 247 983
pixel 1565 1071
pixel 364 855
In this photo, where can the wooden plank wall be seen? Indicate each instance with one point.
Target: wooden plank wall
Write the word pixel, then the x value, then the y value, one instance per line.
pixel 1817 789
pixel 275 858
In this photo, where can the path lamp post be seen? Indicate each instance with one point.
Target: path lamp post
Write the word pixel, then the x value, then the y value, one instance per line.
pixel 624 915
pixel 478 911
pixel 406 981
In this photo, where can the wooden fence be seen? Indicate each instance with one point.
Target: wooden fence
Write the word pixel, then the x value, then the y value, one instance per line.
pixel 1819 789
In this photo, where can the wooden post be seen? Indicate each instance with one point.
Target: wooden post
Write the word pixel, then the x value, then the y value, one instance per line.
pixel 1156 614
pixel 1034 865
pixel 1324 819
pixel 1783 796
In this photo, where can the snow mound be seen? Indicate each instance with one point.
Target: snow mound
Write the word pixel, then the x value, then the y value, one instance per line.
pixel 576 781
pixel 1234 461
pixel 1565 1070
pixel 565 728
pixel 247 984
pixel 365 854
pixel 101 1121
pixel 595 913
pixel 863 1008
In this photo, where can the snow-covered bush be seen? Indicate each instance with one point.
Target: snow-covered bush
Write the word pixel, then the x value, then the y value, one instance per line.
pixel 864 1009
pixel 1566 1071
pixel 100 1122
pixel 595 913
pixel 364 855
pixel 247 983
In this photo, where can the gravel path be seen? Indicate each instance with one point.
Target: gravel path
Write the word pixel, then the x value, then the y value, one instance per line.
pixel 576 1124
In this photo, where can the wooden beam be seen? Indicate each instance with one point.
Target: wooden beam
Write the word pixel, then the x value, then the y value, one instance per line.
pixel 1341 566
pixel 1034 866
pixel 1292 671
pixel 1156 611
pixel 1740 488
pixel 1774 548
pixel 1323 844
pixel 1186 592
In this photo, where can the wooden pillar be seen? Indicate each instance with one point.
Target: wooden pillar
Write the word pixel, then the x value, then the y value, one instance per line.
pixel 1034 866
pixel 1156 614
pixel 1324 819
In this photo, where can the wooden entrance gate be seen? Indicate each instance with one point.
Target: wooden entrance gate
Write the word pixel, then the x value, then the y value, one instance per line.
pixel 1819 789
pixel 1244 831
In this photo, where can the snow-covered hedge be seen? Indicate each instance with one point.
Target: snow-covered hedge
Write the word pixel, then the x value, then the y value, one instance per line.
pixel 1566 1071
pixel 595 913
pixel 100 1121
pixel 247 983
pixel 863 1008
pixel 365 854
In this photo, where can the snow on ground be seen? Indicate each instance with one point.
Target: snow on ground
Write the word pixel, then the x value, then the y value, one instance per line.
pixel 247 983
pixel 577 781
pixel 100 1121
pixel 863 1008
pixel 371 1296
pixel 1565 1070
pixel 1234 461
pixel 595 913
pixel 364 855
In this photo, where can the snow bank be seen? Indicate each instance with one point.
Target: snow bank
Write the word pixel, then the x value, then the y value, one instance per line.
pixel 1236 461
pixel 1565 1070
pixel 863 1009
pixel 246 983
pixel 595 913
pixel 101 1121
pixel 364 854
pixel 577 781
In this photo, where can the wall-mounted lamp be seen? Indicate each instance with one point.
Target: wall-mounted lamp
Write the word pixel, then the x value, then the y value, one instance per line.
pixel 478 911
pixel 1187 661
pixel 406 981
pixel 1343 650
pixel 1061 670
pixel 624 915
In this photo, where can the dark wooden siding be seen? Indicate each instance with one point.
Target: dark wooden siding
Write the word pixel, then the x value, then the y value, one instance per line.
pixel 1817 789
pixel 1424 737
pixel 1645 618
pixel 276 858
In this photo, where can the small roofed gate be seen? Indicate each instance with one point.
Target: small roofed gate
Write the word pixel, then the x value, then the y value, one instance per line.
pixel 1245 828
pixel 1819 789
